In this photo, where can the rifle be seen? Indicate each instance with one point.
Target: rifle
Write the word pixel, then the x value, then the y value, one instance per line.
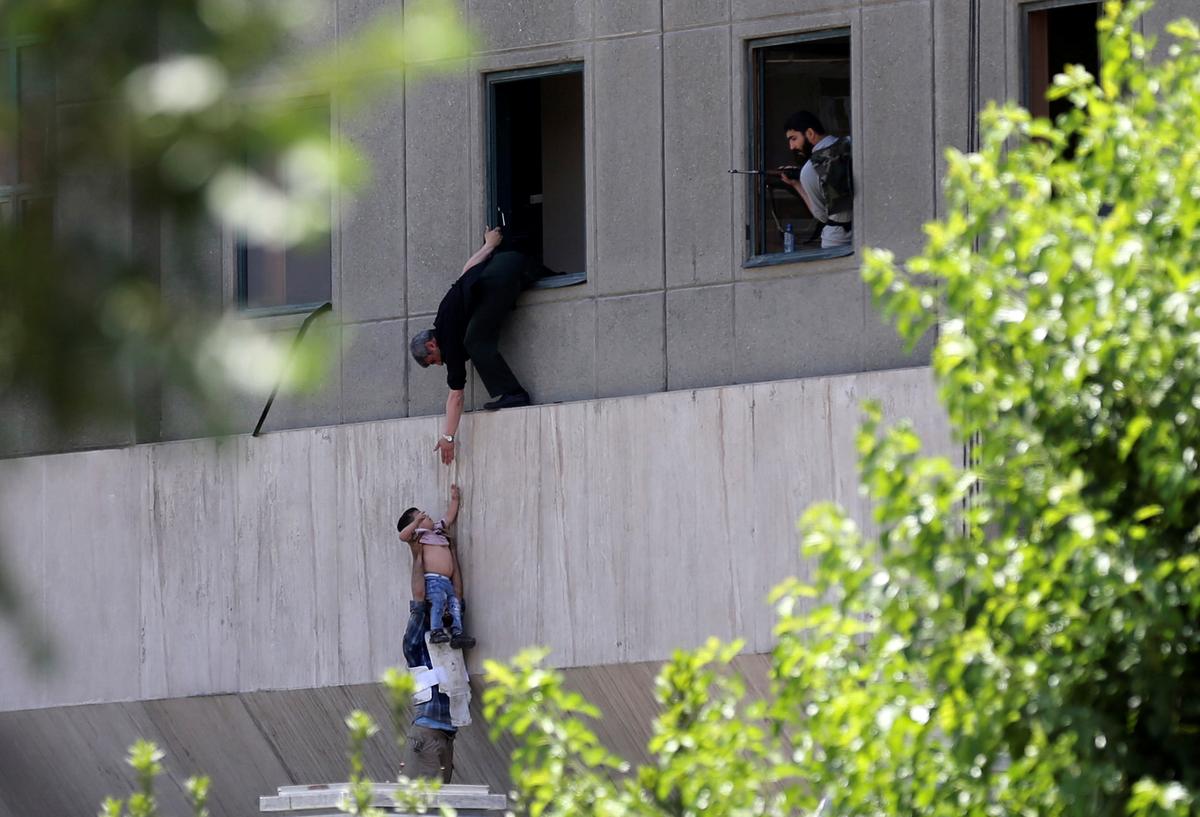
pixel 792 173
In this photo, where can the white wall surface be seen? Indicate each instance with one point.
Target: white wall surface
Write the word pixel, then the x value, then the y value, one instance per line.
pixel 611 531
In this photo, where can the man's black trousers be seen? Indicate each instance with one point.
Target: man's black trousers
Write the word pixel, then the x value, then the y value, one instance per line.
pixel 493 297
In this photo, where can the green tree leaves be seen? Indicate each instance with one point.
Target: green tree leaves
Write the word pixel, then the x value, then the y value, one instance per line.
pixel 1021 637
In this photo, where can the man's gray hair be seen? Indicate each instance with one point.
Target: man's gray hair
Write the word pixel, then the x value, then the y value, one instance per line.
pixel 417 347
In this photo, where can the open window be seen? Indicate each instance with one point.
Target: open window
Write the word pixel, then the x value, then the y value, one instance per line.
pixel 535 166
pixel 1057 33
pixel 808 72
pixel 297 278
pixel 27 92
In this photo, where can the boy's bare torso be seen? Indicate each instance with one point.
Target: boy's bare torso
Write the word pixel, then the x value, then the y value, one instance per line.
pixel 438 559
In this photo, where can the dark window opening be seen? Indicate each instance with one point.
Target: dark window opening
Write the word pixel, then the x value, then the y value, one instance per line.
pixel 27 98
pixel 535 166
pixel 807 73
pixel 285 279
pixel 1057 36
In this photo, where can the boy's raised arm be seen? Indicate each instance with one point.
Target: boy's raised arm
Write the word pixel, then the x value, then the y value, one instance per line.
pixel 452 511
pixel 410 530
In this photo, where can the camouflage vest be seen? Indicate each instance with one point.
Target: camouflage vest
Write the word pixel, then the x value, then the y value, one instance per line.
pixel 835 174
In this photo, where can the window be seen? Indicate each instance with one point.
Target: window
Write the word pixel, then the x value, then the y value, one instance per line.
pixel 790 74
pixel 26 133
pixel 535 166
pixel 1057 34
pixel 291 279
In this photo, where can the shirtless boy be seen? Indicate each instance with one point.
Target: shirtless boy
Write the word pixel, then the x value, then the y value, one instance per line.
pixel 443 583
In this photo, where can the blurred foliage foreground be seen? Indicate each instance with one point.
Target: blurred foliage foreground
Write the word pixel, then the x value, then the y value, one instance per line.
pixel 128 122
pixel 124 123
pixel 1021 636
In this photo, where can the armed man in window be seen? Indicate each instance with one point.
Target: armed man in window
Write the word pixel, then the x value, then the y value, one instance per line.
pixel 467 327
pixel 826 176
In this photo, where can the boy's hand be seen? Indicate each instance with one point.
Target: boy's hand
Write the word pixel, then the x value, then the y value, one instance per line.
pixel 455 494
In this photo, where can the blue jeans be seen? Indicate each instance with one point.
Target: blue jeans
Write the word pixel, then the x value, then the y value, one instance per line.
pixel 439 592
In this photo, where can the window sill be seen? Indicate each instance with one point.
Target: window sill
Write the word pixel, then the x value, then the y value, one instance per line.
pixel 564 279
pixel 796 257
pixel 300 310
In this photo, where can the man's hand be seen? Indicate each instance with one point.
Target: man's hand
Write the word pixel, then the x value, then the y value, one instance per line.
pixel 446 449
pixel 492 238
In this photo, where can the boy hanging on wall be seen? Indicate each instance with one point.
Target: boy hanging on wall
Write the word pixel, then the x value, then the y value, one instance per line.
pixel 443 579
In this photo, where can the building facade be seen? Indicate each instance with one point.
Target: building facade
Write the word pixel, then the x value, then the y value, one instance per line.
pixel 232 598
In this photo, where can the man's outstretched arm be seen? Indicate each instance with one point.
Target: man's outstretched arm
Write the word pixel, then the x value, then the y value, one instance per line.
pixel 454 410
pixel 491 240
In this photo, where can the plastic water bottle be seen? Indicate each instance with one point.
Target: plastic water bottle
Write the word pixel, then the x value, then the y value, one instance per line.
pixel 789 239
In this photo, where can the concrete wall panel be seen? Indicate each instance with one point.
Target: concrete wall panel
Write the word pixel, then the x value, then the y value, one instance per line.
pixel 372 222
pixel 895 176
pixel 687 13
pixel 757 9
pixel 697 210
pixel 286 546
pixel 627 17
pixel 581 594
pixel 375 361
pixel 628 139
pixel 383 471
pixel 508 24
pixel 248 564
pixel 23 554
pixel 665 114
pixel 96 517
pixel 190 647
pixel 551 348
pixel 999 51
pixel 27 428
pixel 829 312
pixel 699 337
pixel 1154 23
pixel 304 409
pixel 953 82
pixel 630 353
pixel 438 185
